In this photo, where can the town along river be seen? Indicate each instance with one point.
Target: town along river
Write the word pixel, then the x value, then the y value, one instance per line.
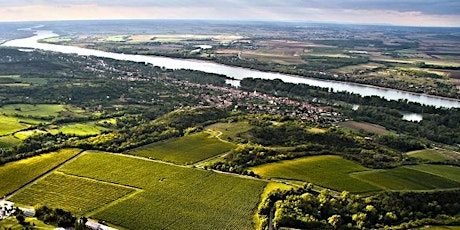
pixel 233 72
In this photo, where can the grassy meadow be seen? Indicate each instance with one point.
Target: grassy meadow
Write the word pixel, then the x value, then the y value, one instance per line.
pixel 11 223
pixel 204 199
pixel 40 110
pixel 18 173
pixel 328 171
pixel 185 150
pixel 22 135
pixel 8 142
pixel 79 129
pixel 9 125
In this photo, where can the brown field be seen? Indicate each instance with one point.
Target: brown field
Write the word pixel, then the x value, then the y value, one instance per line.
pixel 141 38
pixel 364 126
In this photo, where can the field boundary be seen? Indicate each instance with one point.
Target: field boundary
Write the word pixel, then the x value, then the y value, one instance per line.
pixel 353 175
pixel 8 196
pixel 119 200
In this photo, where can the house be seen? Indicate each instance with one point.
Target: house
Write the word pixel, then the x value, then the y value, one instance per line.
pixel 29 212
pixel 6 209
pixel 97 226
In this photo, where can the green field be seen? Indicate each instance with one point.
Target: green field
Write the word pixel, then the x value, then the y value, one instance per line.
pixel 230 131
pixel 328 171
pixel 111 121
pixel 8 142
pixel 435 155
pixel 446 171
pixel 18 173
pixel 9 125
pixel 116 38
pixel 202 199
pixel 79 129
pixel 41 110
pixel 57 39
pixel 185 150
pixel 71 193
pixel 406 178
pixel 11 223
pixel 26 134
pixel 16 80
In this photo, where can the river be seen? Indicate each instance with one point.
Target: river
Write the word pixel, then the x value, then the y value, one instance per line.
pixel 234 72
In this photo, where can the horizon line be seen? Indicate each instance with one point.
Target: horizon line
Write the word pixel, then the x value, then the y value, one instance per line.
pixel 231 20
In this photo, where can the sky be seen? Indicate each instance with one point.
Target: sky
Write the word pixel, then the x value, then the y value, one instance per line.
pixel 388 12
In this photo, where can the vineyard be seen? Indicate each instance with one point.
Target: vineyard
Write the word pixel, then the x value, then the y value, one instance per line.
pixel 185 150
pixel 328 171
pixel 204 199
pixel 15 174
pixel 78 195
pixel 405 178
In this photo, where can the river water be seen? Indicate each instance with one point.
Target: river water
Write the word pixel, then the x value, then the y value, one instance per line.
pixel 234 72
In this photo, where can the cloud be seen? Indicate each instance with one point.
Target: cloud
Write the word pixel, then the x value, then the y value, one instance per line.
pixel 440 7
pixel 402 12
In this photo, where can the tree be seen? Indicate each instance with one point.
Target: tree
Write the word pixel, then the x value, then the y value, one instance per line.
pixel 335 221
pixel 20 218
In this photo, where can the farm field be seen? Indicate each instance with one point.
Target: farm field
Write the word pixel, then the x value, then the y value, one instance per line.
pixel 185 150
pixel 22 135
pixel 41 110
pixel 71 193
pixel 364 126
pixel 79 129
pixel 447 171
pixel 406 178
pixel 9 125
pixel 18 173
pixel 230 131
pixel 205 199
pixel 435 155
pixel 8 142
pixel 328 171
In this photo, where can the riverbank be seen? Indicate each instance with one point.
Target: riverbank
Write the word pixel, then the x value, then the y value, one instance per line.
pixel 236 72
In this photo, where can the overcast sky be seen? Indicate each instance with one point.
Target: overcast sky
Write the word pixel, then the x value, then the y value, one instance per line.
pixel 396 12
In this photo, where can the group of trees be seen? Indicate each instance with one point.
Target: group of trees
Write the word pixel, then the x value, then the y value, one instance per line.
pixel 56 217
pixel 304 208
pixel 269 142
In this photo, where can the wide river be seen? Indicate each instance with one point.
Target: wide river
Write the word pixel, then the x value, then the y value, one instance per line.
pixel 234 72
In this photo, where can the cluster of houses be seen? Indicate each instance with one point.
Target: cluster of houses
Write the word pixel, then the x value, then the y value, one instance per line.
pixel 256 102
pixel 7 209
